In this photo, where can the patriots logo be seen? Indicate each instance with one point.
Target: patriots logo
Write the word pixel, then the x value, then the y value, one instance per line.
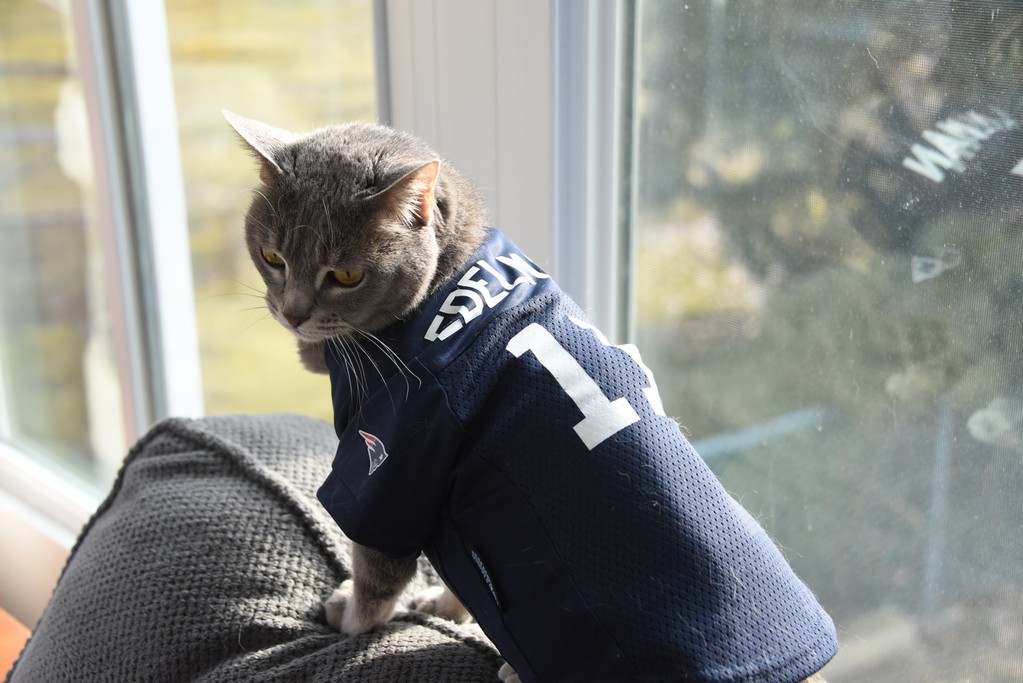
pixel 377 452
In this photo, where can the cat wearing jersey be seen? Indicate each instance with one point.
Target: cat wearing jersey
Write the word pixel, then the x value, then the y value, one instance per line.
pixel 484 422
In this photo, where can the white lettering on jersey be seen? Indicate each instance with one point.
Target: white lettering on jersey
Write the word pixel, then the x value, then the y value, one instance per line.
pixel 483 286
pixel 956 138
pixel 652 396
pixel 602 417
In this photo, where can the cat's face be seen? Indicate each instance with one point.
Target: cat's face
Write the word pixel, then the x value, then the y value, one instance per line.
pixel 341 228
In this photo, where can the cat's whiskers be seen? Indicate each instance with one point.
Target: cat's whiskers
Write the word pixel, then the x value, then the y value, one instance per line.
pixel 391 355
pixel 211 297
pixel 268 232
pixel 246 285
pixel 356 378
pixel 355 348
pixel 268 202
pixel 246 309
pixel 335 347
pixel 330 226
pixel 376 367
pixel 255 322
pixel 313 230
pixel 355 389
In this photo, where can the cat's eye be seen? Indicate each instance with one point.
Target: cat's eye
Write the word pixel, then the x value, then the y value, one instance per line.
pixel 347 278
pixel 273 258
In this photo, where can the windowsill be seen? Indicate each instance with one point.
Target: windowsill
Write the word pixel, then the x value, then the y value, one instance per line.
pixel 41 514
pixel 68 503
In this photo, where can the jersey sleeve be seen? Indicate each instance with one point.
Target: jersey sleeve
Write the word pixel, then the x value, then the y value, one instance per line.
pixel 392 466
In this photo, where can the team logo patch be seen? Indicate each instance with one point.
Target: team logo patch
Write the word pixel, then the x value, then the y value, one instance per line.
pixel 377 452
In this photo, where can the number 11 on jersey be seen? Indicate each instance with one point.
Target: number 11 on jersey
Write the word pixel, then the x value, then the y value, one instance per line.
pixel 602 417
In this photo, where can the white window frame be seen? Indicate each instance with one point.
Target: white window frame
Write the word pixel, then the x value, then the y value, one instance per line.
pixel 164 257
pixel 533 117
pixel 592 159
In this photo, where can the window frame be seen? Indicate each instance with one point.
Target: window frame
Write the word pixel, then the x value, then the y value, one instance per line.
pixel 162 259
pixel 594 152
pixel 551 157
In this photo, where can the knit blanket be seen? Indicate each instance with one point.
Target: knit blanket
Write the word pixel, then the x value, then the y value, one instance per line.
pixel 210 560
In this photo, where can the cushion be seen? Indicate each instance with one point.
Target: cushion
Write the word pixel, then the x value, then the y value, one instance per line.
pixel 210 560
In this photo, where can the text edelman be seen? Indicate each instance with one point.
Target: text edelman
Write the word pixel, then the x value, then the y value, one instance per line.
pixel 483 287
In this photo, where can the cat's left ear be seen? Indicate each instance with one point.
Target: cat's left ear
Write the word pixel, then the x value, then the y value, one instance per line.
pixel 410 199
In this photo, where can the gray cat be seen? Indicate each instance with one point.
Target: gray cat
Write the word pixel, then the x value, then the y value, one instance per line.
pixel 592 549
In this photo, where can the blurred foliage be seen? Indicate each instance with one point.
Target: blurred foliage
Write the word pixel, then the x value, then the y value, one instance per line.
pixel 42 354
pixel 787 259
pixel 43 313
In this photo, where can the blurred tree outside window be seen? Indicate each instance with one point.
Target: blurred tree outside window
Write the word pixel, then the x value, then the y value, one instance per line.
pixel 828 273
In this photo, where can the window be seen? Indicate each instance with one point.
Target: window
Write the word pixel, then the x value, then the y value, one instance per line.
pixel 63 321
pixel 60 393
pixel 827 272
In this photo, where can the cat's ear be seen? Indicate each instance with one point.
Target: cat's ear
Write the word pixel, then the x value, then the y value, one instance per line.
pixel 410 199
pixel 266 142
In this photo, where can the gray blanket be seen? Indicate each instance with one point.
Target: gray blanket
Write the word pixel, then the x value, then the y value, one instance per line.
pixel 210 560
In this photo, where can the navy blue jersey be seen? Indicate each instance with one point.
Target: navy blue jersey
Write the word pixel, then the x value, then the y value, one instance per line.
pixel 532 462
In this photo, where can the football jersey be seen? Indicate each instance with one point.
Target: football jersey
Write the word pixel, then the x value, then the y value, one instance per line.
pixel 532 462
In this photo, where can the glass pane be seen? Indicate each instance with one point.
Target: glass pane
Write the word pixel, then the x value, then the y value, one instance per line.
pixel 59 395
pixel 827 279
pixel 297 65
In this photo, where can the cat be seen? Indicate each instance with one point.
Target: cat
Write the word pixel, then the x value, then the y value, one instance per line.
pixel 484 422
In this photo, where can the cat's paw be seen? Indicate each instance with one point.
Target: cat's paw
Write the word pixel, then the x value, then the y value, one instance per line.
pixel 350 615
pixel 441 602
pixel 506 674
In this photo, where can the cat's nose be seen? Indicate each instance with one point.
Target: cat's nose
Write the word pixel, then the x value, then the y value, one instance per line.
pixel 295 319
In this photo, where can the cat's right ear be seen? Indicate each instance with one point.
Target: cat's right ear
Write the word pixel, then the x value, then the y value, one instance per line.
pixel 266 142
pixel 411 199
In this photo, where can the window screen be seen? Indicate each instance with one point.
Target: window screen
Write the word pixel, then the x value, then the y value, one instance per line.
pixel 827 279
